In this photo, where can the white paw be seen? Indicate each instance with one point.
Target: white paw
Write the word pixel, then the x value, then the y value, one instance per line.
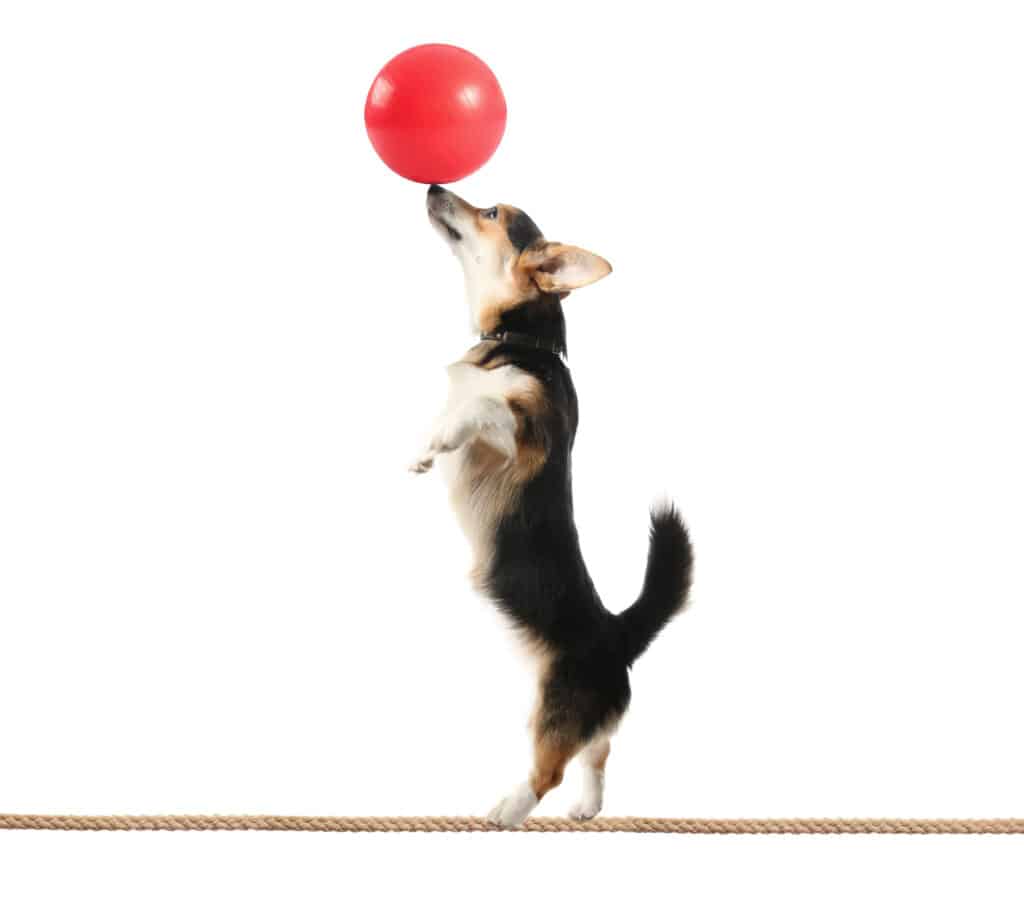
pixel 440 443
pixel 514 809
pixel 586 808
pixel 423 464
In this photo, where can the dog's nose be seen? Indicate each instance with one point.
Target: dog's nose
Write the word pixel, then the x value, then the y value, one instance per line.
pixel 435 189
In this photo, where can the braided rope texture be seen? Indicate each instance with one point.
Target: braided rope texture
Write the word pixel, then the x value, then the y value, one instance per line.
pixel 533 825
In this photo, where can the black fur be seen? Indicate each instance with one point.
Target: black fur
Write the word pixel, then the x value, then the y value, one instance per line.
pixel 522 231
pixel 542 317
pixel 666 583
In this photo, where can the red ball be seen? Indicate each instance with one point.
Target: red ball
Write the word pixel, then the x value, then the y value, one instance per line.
pixel 435 113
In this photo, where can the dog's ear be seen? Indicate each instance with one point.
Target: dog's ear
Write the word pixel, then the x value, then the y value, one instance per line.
pixel 559 268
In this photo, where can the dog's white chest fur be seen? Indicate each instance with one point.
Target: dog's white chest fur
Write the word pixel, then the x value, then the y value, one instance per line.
pixel 477 412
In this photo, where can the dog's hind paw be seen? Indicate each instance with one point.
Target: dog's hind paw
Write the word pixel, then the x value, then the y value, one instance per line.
pixel 587 808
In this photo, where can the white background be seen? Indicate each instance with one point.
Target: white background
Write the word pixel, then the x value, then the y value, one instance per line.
pixel 223 331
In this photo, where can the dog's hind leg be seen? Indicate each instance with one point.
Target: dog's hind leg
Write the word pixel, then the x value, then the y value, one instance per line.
pixel 550 756
pixel 592 758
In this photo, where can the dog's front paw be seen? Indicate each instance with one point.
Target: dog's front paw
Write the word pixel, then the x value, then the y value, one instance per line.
pixel 440 443
pixel 514 809
pixel 423 464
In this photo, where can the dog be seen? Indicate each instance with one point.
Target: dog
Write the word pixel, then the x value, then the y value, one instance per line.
pixel 504 442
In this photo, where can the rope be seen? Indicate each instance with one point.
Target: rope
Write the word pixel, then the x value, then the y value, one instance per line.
pixel 533 825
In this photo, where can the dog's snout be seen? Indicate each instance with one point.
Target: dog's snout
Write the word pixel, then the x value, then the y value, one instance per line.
pixel 435 189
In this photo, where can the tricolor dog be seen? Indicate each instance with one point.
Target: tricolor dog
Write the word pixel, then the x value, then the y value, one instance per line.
pixel 504 443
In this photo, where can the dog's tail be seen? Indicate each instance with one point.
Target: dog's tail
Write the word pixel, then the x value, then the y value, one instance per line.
pixel 666 583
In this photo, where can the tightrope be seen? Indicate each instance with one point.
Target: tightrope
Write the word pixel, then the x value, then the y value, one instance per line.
pixel 533 825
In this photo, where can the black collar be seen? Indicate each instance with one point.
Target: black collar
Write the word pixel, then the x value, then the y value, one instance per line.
pixel 537 343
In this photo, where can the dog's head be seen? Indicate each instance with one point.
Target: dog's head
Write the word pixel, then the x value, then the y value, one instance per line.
pixel 505 258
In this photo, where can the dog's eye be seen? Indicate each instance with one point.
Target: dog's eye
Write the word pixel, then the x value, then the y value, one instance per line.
pixel 491 213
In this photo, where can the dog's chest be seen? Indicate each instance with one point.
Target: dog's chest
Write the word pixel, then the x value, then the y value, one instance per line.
pixel 481 482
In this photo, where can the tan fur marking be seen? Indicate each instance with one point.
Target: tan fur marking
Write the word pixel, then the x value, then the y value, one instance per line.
pixel 525 285
pixel 543 657
pixel 476 354
pixel 494 230
pixel 492 310
pixel 523 290
pixel 600 757
pixel 550 756
pixel 528 407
